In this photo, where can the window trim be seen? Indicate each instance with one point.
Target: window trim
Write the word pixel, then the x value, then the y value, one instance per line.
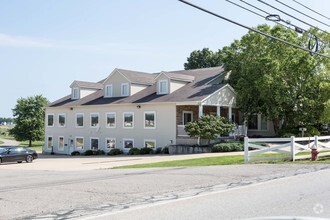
pixel 78 93
pixel 106 144
pixel 51 114
pixel 52 145
pixel 98 119
pixel 150 140
pixel 76 124
pixel 106 95
pixel 106 119
pixel 166 86
pixel 128 139
pixel 121 89
pixel 132 120
pixel 98 142
pixel 192 116
pixel 144 119
pixel 58 144
pixel 75 143
pixel 58 118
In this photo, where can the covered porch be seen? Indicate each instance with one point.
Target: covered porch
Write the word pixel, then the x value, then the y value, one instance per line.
pixel 221 103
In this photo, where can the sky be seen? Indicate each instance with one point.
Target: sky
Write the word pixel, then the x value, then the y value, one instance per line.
pixel 46 45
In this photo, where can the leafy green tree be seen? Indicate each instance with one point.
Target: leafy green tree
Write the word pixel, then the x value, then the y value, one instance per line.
pixel 29 119
pixel 287 85
pixel 203 58
pixel 208 127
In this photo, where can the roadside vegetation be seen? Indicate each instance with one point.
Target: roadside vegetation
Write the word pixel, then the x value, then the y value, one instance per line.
pixel 222 160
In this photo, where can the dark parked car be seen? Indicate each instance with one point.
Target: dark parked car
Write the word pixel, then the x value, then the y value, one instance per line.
pixel 17 154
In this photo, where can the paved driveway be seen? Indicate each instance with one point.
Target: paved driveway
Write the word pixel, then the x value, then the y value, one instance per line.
pixel 9 142
pixel 79 163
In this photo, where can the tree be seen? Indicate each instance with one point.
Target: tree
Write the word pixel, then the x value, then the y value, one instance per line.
pixel 29 118
pixel 203 59
pixel 286 85
pixel 208 127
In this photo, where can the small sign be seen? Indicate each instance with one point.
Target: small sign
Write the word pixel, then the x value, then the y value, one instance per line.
pixel 302 129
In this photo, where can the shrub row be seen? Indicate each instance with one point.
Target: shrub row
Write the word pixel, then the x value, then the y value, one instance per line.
pixel 115 151
pixel 228 147
pixel 146 150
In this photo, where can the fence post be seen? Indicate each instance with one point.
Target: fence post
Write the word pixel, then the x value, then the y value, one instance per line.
pixel 293 150
pixel 246 150
pixel 316 139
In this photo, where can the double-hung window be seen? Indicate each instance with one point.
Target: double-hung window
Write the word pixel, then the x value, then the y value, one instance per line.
pixel 149 120
pixel 61 120
pixel 187 116
pixel 75 93
pixel 128 119
pixel 108 90
pixel 94 120
pixel 163 86
pixel 111 120
pixel 124 89
pixel 80 120
pixel 50 120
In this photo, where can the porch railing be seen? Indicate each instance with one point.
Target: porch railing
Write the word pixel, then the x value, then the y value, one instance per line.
pixel 181 131
pixel 239 130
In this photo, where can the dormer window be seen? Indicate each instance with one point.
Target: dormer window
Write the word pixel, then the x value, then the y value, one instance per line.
pixel 124 89
pixel 163 87
pixel 75 93
pixel 108 91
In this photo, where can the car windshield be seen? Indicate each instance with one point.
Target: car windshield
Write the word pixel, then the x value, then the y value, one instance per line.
pixel 3 149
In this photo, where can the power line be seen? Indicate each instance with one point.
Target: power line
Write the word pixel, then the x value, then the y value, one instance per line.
pixel 277 22
pixel 238 5
pixel 279 19
pixel 269 5
pixel 302 13
pixel 311 9
pixel 254 30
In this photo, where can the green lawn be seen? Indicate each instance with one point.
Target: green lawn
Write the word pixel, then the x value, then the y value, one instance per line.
pixel 1 142
pixel 224 160
pixel 208 161
pixel 36 145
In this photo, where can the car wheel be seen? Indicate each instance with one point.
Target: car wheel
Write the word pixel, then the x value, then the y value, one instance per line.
pixel 0 160
pixel 29 158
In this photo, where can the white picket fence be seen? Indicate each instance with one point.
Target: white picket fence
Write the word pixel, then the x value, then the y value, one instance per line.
pixel 290 147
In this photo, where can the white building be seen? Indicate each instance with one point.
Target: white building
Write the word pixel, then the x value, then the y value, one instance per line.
pixel 134 109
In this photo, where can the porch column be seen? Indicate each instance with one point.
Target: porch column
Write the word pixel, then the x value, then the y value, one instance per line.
pixel 218 110
pixel 200 110
pixel 230 114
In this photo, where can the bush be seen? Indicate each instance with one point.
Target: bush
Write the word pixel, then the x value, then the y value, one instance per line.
pixel 228 147
pixel 158 150
pixel 134 151
pixel 98 152
pixel 310 132
pixel 88 152
pixel 75 153
pixel 146 150
pixel 165 150
pixel 115 151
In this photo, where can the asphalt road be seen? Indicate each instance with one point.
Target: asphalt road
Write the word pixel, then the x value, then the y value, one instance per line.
pixel 52 194
pixel 292 197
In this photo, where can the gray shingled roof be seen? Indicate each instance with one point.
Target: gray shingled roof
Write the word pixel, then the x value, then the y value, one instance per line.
pixel 88 85
pixel 180 77
pixel 138 77
pixel 197 90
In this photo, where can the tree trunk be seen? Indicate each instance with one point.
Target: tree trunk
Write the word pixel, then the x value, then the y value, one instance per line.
pixel 276 125
pixel 30 143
